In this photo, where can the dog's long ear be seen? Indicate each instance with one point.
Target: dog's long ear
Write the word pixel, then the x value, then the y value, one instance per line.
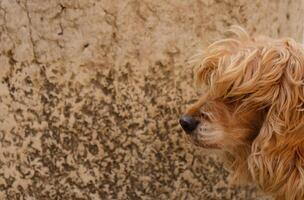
pixel 277 158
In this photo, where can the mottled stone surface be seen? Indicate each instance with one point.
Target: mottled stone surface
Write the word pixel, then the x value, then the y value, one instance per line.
pixel 90 94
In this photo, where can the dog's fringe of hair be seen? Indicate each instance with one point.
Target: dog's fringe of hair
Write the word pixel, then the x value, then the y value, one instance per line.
pixel 263 73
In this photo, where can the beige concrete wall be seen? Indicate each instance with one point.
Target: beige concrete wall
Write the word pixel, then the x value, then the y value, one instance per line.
pixel 90 94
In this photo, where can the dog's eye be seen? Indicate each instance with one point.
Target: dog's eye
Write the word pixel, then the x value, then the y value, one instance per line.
pixel 230 99
pixel 204 116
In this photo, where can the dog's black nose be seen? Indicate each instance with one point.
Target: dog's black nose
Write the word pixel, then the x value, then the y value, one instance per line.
pixel 188 123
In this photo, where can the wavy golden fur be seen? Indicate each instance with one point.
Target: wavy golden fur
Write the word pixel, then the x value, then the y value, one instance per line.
pixel 254 90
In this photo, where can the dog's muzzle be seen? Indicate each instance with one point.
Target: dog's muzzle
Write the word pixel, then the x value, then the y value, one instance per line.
pixel 188 123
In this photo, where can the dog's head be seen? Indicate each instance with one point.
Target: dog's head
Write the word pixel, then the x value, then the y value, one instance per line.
pixel 252 99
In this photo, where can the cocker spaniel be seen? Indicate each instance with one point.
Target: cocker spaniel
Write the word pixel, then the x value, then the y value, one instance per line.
pixel 252 109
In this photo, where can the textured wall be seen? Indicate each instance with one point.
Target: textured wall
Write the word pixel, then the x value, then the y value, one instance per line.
pixel 90 94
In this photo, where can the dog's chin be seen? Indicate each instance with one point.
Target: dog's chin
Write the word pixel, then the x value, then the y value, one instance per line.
pixel 204 145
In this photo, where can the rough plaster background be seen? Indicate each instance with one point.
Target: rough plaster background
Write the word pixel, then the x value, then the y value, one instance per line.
pixel 90 94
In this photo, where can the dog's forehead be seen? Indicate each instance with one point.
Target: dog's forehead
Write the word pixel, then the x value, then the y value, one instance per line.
pixel 194 108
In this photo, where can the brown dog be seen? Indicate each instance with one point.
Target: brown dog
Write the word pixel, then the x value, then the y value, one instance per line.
pixel 252 109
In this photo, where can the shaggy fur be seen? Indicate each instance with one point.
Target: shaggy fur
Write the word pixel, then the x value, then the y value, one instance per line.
pixel 252 110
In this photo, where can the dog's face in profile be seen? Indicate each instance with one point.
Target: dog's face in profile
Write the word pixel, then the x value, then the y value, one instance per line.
pixel 252 109
pixel 218 124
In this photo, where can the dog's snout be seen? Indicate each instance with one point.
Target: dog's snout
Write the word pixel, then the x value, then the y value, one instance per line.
pixel 188 123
